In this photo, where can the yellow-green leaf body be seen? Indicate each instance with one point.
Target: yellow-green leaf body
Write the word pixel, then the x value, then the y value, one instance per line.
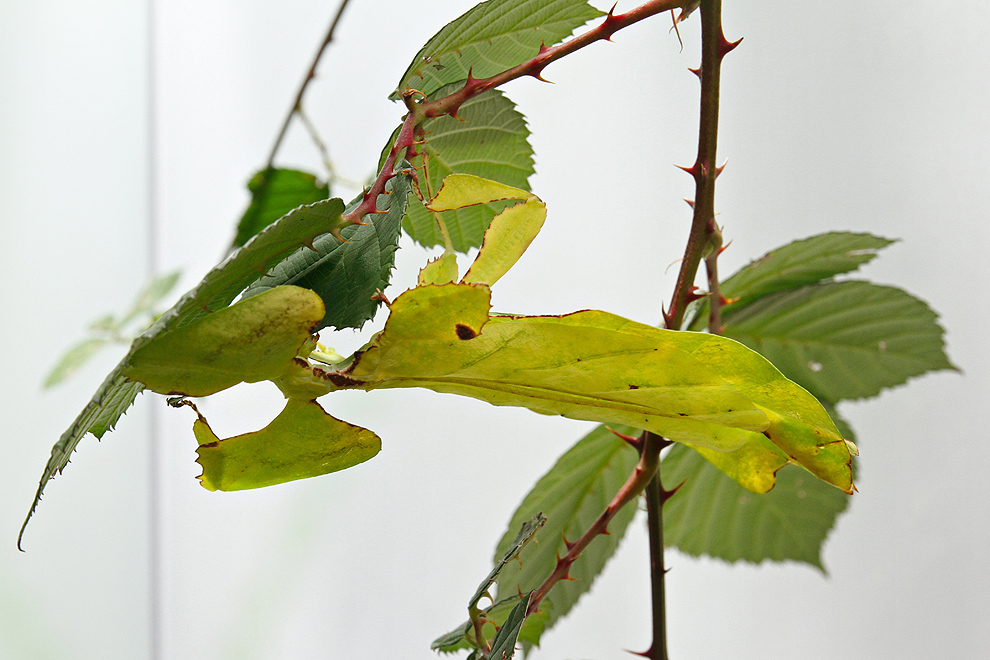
pixel 706 391
pixel 302 442
pixel 250 341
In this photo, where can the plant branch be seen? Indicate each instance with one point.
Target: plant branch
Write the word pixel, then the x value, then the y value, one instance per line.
pixel 448 105
pixel 656 496
pixel 704 239
pixel 310 74
pixel 649 460
pixel 704 242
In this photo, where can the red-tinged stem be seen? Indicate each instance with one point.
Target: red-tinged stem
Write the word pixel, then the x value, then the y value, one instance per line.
pixel 704 241
pixel 420 111
pixel 534 67
pixel 403 142
pixel 703 228
pixel 637 482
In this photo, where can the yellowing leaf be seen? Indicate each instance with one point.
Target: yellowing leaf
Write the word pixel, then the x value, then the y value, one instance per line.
pixel 703 390
pixel 506 239
pixel 441 270
pixel 250 341
pixel 302 442
pixel 460 190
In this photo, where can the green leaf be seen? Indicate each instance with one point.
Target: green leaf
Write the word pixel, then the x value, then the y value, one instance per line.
pixel 347 274
pixel 525 534
pixel 275 192
pixel 111 328
pixel 572 495
pixel 803 262
pixel 442 270
pixel 250 341
pixel 302 442
pixel 842 340
pixel 73 359
pixel 507 237
pixel 712 515
pixel 704 390
pixel 504 644
pixel 491 37
pixel 152 294
pixel 489 140
pixel 220 286
pixel 462 637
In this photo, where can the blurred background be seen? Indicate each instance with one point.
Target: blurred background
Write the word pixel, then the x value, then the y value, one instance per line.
pixel 127 133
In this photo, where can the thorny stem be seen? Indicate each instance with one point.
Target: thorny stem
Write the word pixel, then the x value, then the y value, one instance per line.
pixel 649 460
pixel 420 110
pixel 704 236
pixel 310 74
pixel 534 67
pixel 655 498
pixel 704 241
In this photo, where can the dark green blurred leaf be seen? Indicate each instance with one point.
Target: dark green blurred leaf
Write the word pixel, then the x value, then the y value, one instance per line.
pixel 490 38
pixel 842 340
pixel 275 192
pixel 347 274
pixel 490 140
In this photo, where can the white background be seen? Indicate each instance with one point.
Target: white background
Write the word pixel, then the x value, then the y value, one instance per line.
pixel 840 115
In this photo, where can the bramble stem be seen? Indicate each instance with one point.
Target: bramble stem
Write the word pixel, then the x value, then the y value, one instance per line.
pixel 655 498
pixel 534 67
pixel 649 460
pixel 704 231
pixel 704 242
pixel 420 110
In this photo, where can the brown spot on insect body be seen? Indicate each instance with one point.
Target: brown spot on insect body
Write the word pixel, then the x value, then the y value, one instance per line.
pixel 340 380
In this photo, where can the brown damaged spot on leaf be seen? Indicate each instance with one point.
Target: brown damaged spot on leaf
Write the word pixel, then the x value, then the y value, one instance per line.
pixel 464 332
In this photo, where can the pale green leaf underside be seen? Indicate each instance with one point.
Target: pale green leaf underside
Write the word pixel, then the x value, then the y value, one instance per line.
pixel 489 140
pixel 842 340
pixel 220 286
pixel 347 274
pixel 700 389
pixel 490 38
pixel 302 442
pixel 572 495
